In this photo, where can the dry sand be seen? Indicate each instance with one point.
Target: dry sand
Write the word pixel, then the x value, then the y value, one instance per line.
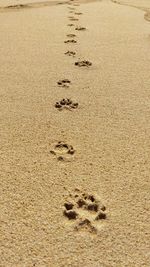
pixel 109 132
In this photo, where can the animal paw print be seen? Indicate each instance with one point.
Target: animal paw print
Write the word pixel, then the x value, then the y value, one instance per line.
pixel 74 19
pixel 66 104
pixel 80 28
pixel 85 210
pixel 70 41
pixel 70 24
pixel 70 53
pixel 78 13
pixel 84 63
pixel 70 17
pixel 62 151
pixel 71 35
pixel 71 8
pixel 64 83
pixel 17 6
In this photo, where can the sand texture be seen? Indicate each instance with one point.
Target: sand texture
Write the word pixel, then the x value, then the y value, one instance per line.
pixel 74 133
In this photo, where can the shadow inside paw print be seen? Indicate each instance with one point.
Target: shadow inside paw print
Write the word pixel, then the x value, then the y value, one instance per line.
pixel 84 63
pixel 62 151
pixel 85 210
pixel 66 104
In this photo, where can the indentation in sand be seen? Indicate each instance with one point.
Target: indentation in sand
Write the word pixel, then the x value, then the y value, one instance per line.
pixel 71 35
pixel 85 210
pixel 67 104
pixel 79 28
pixel 83 63
pixel 70 53
pixel 70 41
pixel 64 83
pixel 70 24
pixel 73 19
pixel 62 151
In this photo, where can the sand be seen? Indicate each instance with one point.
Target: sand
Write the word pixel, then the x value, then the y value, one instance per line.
pixel 84 201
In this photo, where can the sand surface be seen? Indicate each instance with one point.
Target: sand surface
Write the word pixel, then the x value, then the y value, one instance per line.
pixel 102 169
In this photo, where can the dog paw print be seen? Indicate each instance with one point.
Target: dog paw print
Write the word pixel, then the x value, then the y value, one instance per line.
pixel 79 28
pixel 70 17
pixel 17 6
pixel 84 63
pixel 64 83
pixel 70 41
pixel 73 19
pixel 78 13
pixel 70 53
pixel 66 104
pixel 85 210
pixel 62 151
pixel 70 24
pixel 71 35
pixel 71 8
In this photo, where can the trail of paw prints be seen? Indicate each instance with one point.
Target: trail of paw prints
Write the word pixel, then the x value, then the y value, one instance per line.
pixel 84 211
pixel 62 151
pixel 67 104
pixel 64 83
pixel 83 63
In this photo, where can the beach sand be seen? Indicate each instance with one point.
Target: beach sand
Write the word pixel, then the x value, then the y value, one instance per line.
pixel 74 182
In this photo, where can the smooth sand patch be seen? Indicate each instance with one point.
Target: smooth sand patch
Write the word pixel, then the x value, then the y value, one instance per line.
pixel 143 5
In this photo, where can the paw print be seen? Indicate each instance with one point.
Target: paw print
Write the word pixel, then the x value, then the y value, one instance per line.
pixel 70 41
pixel 70 53
pixel 84 63
pixel 79 28
pixel 64 83
pixel 85 210
pixel 62 151
pixel 66 104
